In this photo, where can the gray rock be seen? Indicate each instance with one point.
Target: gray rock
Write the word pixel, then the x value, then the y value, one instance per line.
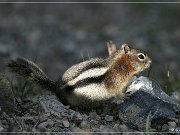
pixel 165 128
pixel 94 115
pixel 43 118
pixel 116 126
pixel 146 98
pixel 66 123
pixel 50 123
pixel 123 128
pixel 85 125
pixel 109 118
pixel 42 126
pixel 77 117
pixel 172 124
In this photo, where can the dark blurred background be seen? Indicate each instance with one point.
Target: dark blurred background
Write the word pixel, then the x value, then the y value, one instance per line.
pixel 59 35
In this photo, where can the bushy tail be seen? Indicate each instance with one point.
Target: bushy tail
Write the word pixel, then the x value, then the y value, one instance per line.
pixel 30 71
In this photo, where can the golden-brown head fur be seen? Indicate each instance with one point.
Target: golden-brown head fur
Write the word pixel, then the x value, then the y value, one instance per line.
pixel 125 63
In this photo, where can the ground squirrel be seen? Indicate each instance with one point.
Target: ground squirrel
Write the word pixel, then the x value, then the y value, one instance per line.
pixel 93 80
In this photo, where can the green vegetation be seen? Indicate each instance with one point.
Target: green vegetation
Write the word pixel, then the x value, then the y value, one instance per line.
pixel 171 82
pixel 148 123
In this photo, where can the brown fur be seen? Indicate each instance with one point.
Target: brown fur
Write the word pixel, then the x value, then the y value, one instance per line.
pixel 118 75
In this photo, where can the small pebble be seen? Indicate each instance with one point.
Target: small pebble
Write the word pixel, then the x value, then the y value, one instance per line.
pixel 77 117
pixel 50 122
pixel 85 125
pixel 42 126
pixel 109 118
pixel 67 107
pixel 172 124
pixel 66 123
pixel 116 126
pixel 123 128
pixel 43 118
pixel 94 115
pixel 165 128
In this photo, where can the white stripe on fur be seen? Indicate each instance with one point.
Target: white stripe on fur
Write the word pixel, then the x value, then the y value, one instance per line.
pixel 95 72
pixel 93 91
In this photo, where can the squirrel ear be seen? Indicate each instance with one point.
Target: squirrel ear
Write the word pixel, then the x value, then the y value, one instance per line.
pixel 126 48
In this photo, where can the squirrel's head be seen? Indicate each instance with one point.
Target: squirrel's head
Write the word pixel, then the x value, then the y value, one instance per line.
pixel 138 59
pixel 129 60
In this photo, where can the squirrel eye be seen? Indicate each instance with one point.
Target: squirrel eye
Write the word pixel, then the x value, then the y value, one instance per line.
pixel 141 56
